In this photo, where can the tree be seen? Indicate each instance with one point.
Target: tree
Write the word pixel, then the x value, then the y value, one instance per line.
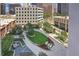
pixel 47 27
pixel 64 33
pixel 46 15
pixel 40 24
pixel 24 27
pixel 63 36
pixel 16 30
pixel 30 29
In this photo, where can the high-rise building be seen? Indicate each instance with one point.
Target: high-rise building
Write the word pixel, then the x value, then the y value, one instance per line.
pixel 63 8
pixel 26 4
pixel 29 13
pixel 12 8
pixel 47 7
pixel 3 12
pixel 61 22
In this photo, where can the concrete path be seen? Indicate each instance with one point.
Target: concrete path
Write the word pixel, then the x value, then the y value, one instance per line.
pixel 23 50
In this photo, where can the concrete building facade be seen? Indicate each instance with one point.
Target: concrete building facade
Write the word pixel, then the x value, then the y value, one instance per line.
pixel 61 22
pixel 63 8
pixel 29 13
pixel 2 8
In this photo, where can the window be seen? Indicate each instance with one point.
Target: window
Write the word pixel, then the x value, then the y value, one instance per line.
pixel 28 8
pixel 30 21
pixel 19 9
pixel 33 14
pixel 33 21
pixel 25 21
pixel 33 8
pixel 25 11
pixel 16 15
pixel 19 21
pixel 22 8
pixel 25 8
pixel 33 18
pixel 27 18
pixel 36 15
pixel 19 12
pixel 36 8
pixel 19 18
pixel 16 18
pixel 22 21
pixel 22 11
pixel 25 15
pixel 28 15
pixel 30 11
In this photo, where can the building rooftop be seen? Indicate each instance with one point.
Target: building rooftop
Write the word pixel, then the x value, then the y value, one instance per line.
pixel 63 17
pixel 8 16
pixel 4 20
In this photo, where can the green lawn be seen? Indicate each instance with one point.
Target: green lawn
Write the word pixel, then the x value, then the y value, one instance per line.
pixel 38 38
pixel 6 44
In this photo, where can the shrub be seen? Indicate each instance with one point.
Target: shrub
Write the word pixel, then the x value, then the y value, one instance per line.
pixel 6 44
pixel 47 27
pixel 16 30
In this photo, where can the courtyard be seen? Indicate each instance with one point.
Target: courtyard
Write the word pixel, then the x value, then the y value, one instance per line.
pixel 35 43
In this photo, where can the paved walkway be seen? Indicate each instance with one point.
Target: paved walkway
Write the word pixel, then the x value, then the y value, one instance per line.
pixel 23 50
pixel 56 50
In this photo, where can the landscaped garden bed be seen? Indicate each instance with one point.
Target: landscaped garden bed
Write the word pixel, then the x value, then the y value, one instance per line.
pixel 6 45
pixel 41 40
pixel 38 38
